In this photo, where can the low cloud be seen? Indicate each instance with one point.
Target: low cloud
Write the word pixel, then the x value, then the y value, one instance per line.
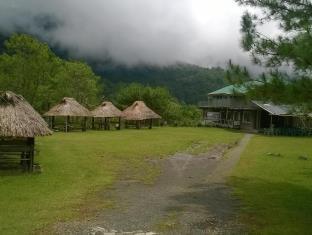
pixel 159 32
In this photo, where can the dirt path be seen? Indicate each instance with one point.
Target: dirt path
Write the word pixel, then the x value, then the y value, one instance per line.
pixel 189 197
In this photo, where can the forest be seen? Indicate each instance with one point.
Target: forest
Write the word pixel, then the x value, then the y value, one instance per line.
pixel 30 68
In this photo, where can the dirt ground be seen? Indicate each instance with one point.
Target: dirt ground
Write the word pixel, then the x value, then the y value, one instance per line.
pixel 189 197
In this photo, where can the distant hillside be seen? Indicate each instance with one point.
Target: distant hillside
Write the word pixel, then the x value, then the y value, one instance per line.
pixel 189 83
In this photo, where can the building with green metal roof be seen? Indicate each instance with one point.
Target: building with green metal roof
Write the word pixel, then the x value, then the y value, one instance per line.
pixel 231 107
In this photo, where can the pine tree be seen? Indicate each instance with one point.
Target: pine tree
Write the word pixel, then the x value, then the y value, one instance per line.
pixel 292 47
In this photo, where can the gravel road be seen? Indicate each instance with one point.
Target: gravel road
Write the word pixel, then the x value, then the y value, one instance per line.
pixel 189 197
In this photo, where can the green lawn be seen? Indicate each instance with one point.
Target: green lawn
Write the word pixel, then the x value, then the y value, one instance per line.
pixel 275 185
pixel 77 165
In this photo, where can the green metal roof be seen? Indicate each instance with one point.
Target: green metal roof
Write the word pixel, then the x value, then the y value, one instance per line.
pixel 236 89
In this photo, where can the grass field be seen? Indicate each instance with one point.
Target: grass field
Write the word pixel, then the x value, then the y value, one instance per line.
pixel 77 165
pixel 275 185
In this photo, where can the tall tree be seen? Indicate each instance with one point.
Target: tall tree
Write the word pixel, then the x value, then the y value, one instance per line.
pixel 292 47
pixel 76 79
pixel 29 67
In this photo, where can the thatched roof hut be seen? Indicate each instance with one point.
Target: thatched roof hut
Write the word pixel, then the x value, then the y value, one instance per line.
pixel 68 107
pixel 19 119
pixel 106 110
pixel 138 111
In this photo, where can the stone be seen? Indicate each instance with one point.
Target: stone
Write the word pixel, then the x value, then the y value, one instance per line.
pixel 98 231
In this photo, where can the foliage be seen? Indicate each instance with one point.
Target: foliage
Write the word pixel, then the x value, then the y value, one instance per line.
pixel 189 83
pixel 292 47
pixel 77 79
pixel 273 181
pixel 78 165
pixel 28 67
pixel 160 100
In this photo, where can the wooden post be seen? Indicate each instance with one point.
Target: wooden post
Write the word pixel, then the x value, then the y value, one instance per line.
pixel 53 122
pixel 150 123
pixel 31 143
pixel 226 116
pixel 93 126
pixel 105 123
pixel 108 123
pixel 119 123
pixel 258 120
pixel 66 123
pixel 137 124
pixel 84 124
pixel 101 123
pixel 240 118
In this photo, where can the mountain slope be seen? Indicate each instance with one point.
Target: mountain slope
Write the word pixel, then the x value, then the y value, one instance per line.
pixel 189 83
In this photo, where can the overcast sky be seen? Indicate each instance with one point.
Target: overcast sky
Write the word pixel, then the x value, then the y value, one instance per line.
pixel 203 32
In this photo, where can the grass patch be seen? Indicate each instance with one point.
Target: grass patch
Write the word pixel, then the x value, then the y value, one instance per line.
pixel 77 165
pixel 274 181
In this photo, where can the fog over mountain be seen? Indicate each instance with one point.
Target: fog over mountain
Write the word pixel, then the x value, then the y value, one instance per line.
pixel 158 32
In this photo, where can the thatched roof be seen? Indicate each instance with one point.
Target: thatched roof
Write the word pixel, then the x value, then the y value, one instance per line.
pixel 139 111
pixel 19 119
pixel 106 109
pixel 68 107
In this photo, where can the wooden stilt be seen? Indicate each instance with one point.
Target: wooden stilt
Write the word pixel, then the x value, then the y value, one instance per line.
pixel 226 116
pixel 93 126
pixel 119 123
pixel 108 123
pixel 240 119
pixel 66 124
pixel 31 143
pixel 101 123
pixel 84 124
pixel 150 123
pixel 105 123
pixel 52 122
pixel 258 120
